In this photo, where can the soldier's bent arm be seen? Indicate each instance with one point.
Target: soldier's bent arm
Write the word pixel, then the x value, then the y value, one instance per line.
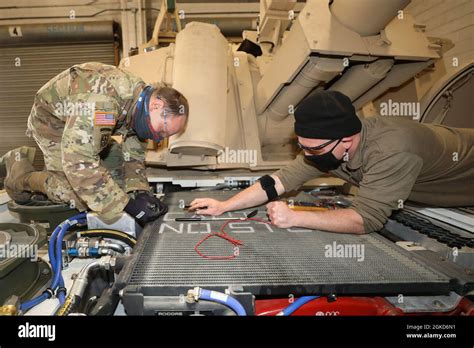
pixel 134 164
pixel 385 187
pixel 288 178
pixel 84 137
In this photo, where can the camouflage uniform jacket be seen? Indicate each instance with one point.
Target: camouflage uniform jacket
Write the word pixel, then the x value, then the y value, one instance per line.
pixel 82 108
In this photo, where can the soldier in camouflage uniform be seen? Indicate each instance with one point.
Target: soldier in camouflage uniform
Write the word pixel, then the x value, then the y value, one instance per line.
pixel 73 119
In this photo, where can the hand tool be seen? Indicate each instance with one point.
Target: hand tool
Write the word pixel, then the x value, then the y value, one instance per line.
pixel 205 218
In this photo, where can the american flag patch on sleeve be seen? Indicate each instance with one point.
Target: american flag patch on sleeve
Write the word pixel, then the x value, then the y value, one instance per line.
pixel 102 118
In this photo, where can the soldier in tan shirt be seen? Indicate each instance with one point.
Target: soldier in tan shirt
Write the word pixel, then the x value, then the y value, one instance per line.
pixel 390 159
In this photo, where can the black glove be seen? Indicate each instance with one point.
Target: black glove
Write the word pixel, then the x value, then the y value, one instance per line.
pixel 160 207
pixel 145 207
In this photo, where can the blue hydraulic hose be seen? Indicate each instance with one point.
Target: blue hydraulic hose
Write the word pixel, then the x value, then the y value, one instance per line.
pixel 58 264
pixel 34 302
pixel 61 294
pixel 52 243
pixel 51 247
pixel 52 260
pixel 227 300
pixel 37 300
pixel 297 304
pixel 58 256
pixel 55 260
pixel 58 260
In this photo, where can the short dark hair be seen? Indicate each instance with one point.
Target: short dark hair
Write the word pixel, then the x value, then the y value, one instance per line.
pixel 176 103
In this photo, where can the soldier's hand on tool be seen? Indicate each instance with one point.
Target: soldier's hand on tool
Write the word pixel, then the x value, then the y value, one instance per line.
pixel 280 215
pixel 207 206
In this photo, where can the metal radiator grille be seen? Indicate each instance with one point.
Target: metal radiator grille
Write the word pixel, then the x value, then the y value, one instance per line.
pixel 274 261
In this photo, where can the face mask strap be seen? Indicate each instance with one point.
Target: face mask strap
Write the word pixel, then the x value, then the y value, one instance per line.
pixel 327 161
pixel 330 151
pixel 165 124
pixel 142 112
pixel 156 135
pixel 141 104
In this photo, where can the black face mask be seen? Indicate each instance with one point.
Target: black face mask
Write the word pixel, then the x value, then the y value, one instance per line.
pixel 326 161
pixel 141 119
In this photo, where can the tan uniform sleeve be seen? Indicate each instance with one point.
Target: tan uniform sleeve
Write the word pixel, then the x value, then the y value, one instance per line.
pixel 82 141
pixel 297 173
pixel 134 165
pixel 386 184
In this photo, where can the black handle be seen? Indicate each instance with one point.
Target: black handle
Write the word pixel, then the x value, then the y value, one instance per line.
pixel 188 219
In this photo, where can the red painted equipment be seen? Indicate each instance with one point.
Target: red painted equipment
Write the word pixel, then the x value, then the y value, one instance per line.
pixel 351 306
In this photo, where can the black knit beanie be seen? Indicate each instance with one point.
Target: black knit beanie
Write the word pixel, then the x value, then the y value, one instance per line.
pixel 326 115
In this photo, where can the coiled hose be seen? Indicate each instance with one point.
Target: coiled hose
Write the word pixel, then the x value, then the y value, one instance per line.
pixel 111 234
